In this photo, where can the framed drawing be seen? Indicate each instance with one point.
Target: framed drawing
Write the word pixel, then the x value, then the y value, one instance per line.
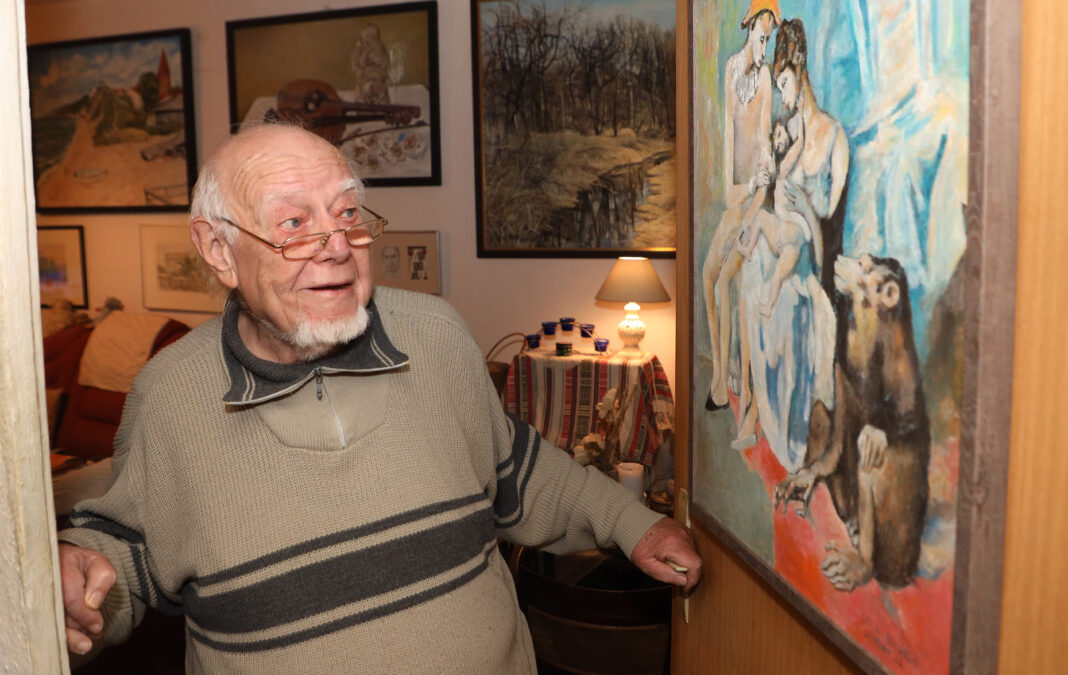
pixel 61 265
pixel 171 278
pixel 367 81
pixel 851 260
pixel 112 123
pixel 574 128
pixel 407 260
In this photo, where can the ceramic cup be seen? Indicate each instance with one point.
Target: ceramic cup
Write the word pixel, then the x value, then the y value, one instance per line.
pixel 563 349
pixel 533 341
pixel 548 327
pixel 586 329
pixel 601 344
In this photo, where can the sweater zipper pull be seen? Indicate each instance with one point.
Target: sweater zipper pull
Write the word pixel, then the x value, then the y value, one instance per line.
pixel 319 383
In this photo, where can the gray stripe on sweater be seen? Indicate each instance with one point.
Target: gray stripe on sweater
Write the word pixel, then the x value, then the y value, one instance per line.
pixel 347 621
pixel 342 580
pixel 513 474
pixel 336 538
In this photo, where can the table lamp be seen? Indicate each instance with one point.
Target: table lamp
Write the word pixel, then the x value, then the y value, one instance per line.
pixel 632 280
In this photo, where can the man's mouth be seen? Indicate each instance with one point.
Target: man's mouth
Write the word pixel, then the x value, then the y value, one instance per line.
pixel 327 288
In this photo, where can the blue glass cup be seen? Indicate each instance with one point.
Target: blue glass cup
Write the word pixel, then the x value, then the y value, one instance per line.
pixel 586 329
pixel 601 344
pixel 567 323
pixel 533 341
pixel 548 327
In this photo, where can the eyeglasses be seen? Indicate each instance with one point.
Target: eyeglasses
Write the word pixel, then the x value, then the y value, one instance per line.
pixel 307 246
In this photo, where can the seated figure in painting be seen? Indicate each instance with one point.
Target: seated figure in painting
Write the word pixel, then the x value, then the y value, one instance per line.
pixel 788 315
pixel 872 451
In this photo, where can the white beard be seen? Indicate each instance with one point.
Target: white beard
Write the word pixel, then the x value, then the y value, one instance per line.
pixel 312 340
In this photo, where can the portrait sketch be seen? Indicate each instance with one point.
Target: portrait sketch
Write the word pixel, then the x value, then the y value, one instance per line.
pixel 407 259
pixel 830 173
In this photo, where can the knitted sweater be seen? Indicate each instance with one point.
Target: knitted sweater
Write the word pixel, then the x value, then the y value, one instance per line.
pixel 339 516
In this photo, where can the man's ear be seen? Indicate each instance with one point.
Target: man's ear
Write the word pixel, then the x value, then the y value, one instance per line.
pixel 891 293
pixel 215 251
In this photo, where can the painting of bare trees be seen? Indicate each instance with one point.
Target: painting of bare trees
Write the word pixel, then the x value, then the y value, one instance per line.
pixel 574 127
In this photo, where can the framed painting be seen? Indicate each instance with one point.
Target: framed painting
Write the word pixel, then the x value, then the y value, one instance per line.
pixel 171 277
pixel 408 260
pixel 367 81
pixel 112 123
pixel 574 128
pixel 61 265
pixel 851 262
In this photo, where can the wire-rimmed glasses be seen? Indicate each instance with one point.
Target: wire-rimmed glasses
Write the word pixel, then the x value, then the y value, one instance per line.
pixel 307 246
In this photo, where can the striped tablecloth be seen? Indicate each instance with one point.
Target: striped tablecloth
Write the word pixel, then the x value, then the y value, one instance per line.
pixel 558 395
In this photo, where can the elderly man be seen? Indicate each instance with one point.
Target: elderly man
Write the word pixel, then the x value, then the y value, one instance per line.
pixel 317 479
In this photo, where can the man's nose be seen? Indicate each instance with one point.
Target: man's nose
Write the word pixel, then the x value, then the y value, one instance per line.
pixel 336 247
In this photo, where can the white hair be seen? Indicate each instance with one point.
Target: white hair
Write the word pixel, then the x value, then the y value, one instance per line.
pixel 211 203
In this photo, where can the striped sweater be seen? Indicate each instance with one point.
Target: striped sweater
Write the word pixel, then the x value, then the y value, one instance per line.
pixel 338 516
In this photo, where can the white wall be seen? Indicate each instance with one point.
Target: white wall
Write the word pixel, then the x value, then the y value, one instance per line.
pixel 496 296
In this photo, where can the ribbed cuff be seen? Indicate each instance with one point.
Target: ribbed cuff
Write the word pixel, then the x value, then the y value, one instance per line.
pixel 632 524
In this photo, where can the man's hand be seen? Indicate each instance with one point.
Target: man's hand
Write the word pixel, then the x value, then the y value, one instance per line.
pixel 664 543
pixel 87 576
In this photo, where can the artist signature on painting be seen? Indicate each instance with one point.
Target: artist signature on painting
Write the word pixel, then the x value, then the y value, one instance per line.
pixel 887 646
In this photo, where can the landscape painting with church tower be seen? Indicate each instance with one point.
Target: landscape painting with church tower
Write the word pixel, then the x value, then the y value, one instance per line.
pixel 112 123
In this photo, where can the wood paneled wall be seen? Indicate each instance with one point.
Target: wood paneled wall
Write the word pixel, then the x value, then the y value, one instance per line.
pixel 737 624
pixel 1034 636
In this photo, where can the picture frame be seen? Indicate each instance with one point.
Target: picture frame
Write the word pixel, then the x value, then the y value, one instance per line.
pixel 61 265
pixel 171 275
pixel 112 123
pixel 408 260
pixel 367 82
pixel 946 617
pixel 574 144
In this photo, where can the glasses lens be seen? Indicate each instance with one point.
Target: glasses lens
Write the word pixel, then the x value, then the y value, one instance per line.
pixel 302 248
pixel 364 233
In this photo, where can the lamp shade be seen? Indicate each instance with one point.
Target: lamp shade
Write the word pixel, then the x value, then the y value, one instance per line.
pixel 633 280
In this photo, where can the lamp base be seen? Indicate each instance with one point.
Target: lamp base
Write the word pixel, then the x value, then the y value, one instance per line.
pixel 631 330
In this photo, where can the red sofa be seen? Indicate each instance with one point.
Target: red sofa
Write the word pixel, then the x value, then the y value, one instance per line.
pixel 87 417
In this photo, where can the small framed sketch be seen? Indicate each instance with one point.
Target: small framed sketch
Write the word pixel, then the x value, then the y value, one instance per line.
pixel 171 278
pixel 61 264
pixel 407 260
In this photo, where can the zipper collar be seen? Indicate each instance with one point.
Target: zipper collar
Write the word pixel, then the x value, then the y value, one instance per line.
pixel 255 380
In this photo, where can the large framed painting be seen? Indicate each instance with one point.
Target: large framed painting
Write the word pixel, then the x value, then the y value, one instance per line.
pixel 112 123
pixel 171 275
pixel 61 265
pixel 851 255
pixel 574 127
pixel 366 80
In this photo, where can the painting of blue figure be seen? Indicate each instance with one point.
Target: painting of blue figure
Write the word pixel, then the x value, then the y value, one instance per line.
pixel 830 173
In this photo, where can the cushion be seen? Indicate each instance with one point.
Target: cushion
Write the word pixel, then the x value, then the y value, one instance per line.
pixel 117 350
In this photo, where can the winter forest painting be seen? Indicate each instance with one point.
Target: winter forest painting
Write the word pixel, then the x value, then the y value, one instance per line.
pixel 830 172
pixel 576 126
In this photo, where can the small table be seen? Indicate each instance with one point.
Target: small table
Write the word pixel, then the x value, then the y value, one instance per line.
pixel 558 396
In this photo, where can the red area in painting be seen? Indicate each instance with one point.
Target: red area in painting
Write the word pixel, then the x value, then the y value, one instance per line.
pixel 907 629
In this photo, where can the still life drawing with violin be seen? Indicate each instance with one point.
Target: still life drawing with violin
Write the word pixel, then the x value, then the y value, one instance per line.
pixel 366 81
